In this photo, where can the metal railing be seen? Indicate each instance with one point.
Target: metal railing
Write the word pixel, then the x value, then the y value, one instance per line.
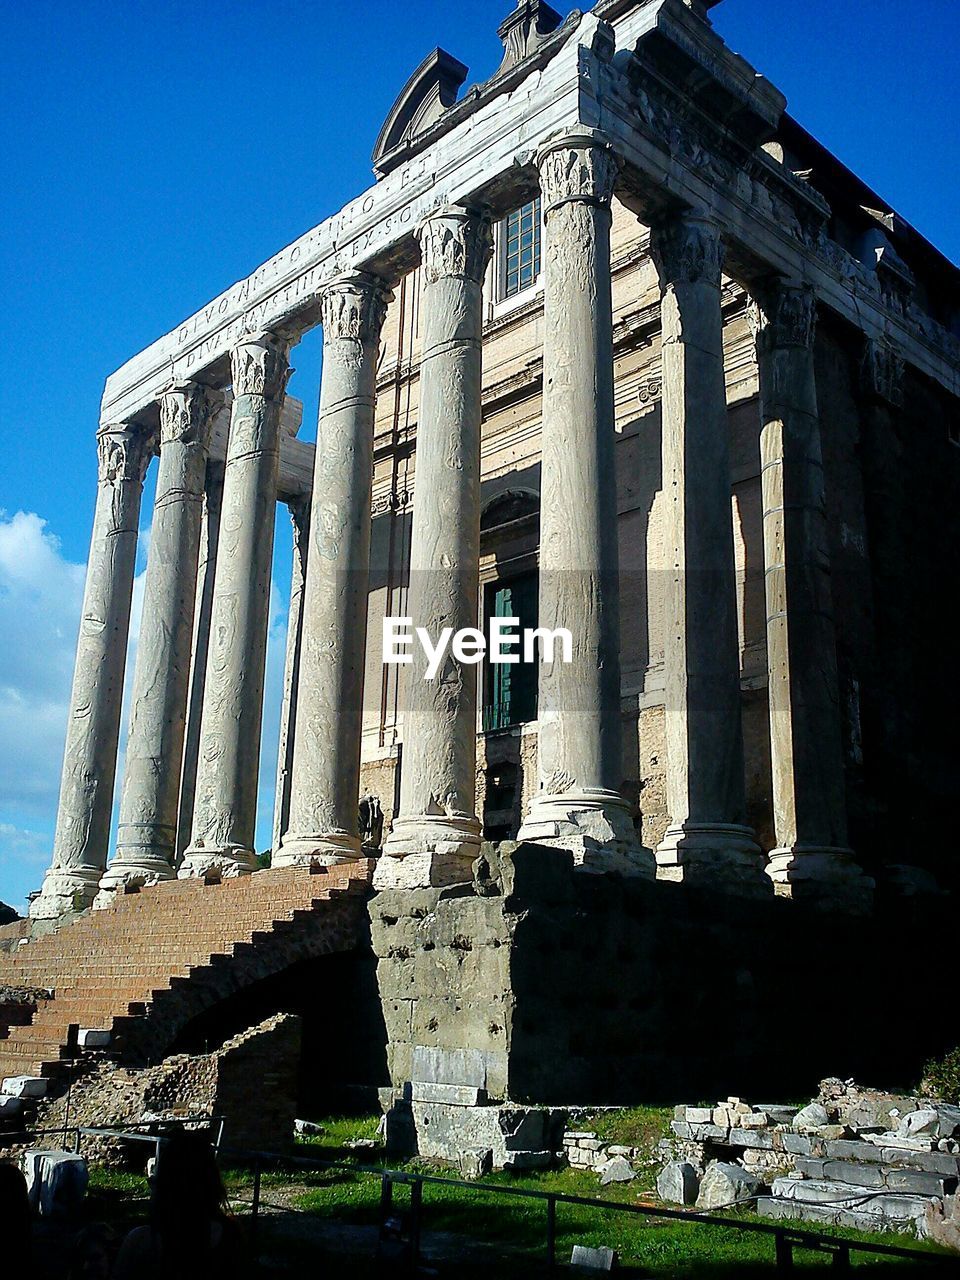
pixel 786 1239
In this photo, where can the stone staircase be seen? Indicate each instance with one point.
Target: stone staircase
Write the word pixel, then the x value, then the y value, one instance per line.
pixel 117 970
pixel 866 1186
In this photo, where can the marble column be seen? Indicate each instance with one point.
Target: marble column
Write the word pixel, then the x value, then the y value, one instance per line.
pixel 708 839
pixel 578 805
pixel 225 807
pixel 811 859
pixel 93 729
pixel 206 571
pixel 436 836
pixel 325 785
pixel 147 829
pixel 300 520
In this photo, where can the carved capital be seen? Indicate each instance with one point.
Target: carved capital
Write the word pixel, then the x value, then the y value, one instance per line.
pixel 579 166
pixel 124 453
pixel 687 250
pixel 354 307
pixel 784 315
pixel 260 366
pixel 186 413
pixel 455 242
pixel 882 372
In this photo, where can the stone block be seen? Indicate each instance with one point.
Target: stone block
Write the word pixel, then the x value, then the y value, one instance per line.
pixel 918 1182
pixel 449 1066
pixel 56 1181
pixel 458 1095
pixel 754 1120
pixel 678 1183
pixel 615 1150
pixel 90 1038
pixel 726 1184
pixel 861 1175
pixel 619 1169
pixel 10 1107
pixel 801 1144
pixel 751 1138
pixel 475 1162
pixel 696 1115
pixel 813 1116
pixel 602 1259
pixel 915 1124
pixel 929 1161
pixel 778 1112
pixel 25 1086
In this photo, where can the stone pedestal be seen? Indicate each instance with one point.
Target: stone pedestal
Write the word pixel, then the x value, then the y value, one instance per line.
pixel 708 839
pixel 93 730
pixel 811 859
pixel 325 781
pixel 437 835
pixel 579 806
pixel 300 520
pixel 225 807
pixel 147 831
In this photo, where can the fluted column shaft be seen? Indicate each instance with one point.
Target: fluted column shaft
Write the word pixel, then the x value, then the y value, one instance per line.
pixel 708 836
pixel 147 830
pixel 206 571
pixel 93 729
pixel 811 858
pixel 325 782
pixel 225 807
pixel 437 834
pixel 578 805
pixel 300 520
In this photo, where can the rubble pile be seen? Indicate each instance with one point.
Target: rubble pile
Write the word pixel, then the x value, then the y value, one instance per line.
pixel 852 1157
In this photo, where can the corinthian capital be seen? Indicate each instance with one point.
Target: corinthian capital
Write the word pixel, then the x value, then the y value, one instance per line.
pixel 455 242
pixel 578 166
pixel 260 366
pixel 186 412
pixel 124 453
pixel 354 307
pixel 687 250
pixel 784 315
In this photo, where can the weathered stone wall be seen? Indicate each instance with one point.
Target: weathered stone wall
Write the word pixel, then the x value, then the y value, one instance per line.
pixel 251 1080
pixel 589 989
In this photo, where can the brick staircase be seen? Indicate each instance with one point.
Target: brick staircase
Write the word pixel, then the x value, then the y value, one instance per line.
pixel 114 970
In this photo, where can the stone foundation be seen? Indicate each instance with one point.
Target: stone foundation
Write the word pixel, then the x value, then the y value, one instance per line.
pixel 565 987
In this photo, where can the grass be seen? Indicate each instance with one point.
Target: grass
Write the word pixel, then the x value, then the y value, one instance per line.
pixel 516 1226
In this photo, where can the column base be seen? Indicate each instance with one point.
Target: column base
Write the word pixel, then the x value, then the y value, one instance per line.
pixel 823 876
pixel 122 877
pixel 714 855
pixel 65 892
pixel 428 851
pixel 593 824
pixel 224 862
pixel 321 850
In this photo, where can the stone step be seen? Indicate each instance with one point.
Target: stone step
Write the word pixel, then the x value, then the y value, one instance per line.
pixel 902 1157
pixel 890 1205
pixel 877 1176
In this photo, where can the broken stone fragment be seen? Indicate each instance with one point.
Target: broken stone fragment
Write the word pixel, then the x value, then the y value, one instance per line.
pixel 617 1169
pixel 678 1183
pixel 813 1116
pixel 727 1184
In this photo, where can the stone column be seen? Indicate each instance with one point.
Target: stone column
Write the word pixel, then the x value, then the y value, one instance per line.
pixel 300 520
pixel 707 839
pixel 437 835
pixel 578 805
pixel 206 570
pixel 812 859
pixel 147 830
pixel 225 808
pixel 93 729
pixel 325 786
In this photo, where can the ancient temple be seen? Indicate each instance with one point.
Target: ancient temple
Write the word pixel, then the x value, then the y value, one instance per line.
pixel 611 344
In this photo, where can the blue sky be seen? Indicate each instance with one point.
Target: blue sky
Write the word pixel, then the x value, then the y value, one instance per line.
pixel 155 153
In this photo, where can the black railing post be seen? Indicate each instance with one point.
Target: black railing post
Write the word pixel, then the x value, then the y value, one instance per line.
pixel 784 1252
pixel 552 1232
pixel 841 1258
pixel 416 1209
pixel 255 1208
